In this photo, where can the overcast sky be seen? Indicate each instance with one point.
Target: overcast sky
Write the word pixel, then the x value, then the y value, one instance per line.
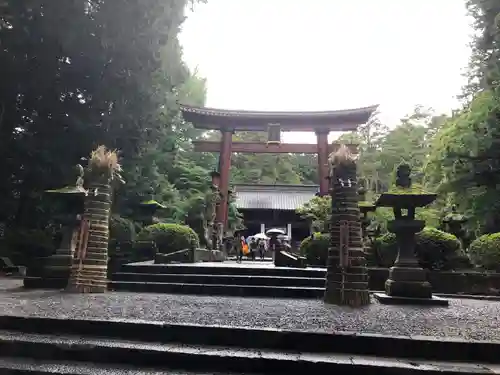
pixel 329 54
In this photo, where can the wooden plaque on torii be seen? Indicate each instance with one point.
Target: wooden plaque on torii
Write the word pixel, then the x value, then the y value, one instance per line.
pixel 229 121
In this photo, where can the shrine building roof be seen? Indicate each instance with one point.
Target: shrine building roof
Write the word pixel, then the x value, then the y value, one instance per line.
pixel 273 197
pixel 340 120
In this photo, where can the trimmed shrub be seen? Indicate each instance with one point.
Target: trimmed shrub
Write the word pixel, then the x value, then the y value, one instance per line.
pixel 24 245
pixel 484 251
pixel 386 249
pixel 435 249
pixel 170 237
pixel 121 229
pixel 315 249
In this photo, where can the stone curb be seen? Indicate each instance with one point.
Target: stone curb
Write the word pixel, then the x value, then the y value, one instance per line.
pixel 205 359
pixel 430 348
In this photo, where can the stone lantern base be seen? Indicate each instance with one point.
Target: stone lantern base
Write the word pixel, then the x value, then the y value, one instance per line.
pixel 385 299
pixel 407 282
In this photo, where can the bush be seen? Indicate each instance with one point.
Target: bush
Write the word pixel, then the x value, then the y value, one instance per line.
pixel 316 249
pixel 435 249
pixel 121 229
pixel 485 251
pixel 386 249
pixel 24 245
pixel 170 237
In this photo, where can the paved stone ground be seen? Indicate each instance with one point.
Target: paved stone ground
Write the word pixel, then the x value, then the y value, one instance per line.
pixel 465 319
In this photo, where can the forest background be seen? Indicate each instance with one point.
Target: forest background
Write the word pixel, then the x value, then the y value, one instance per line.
pixel 114 75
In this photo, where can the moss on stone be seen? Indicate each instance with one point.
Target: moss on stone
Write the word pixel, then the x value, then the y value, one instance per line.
pixel 68 190
pixel 398 190
pixel 366 204
pixel 152 203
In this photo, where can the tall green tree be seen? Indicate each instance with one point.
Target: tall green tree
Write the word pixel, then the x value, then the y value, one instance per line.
pixel 108 74
pixel 464 156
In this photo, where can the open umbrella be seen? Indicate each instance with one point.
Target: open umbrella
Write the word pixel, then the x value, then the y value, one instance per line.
pixel 261 236
pixel 275 231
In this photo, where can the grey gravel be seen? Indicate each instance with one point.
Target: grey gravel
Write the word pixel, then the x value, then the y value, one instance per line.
pixel 466 319
pixel 52 367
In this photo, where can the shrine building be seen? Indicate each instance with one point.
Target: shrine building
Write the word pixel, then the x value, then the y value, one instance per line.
pixel 274 206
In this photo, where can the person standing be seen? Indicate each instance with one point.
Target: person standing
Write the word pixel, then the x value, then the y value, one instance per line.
pixel 262 248
pixel 253 248
pixel 241 245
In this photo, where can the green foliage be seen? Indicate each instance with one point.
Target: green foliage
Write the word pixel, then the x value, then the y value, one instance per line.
pixel 485 251
pixel 170 237
pixel 112 73
pixel 318 211
pixel 435 249
pixel 121 229
pixel 24 245
pixel 386 249
pixel 269 168
pixel 315 249
pixel 463 161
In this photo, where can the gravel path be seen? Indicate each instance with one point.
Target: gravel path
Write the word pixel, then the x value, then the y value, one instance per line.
pixel 466 319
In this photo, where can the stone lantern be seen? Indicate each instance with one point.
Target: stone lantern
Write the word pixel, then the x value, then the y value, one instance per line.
pixel 407 283
pixel 148 210
pixel 454 224
pixel 55 269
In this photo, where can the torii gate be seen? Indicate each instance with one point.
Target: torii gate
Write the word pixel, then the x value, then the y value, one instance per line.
pixel 230 121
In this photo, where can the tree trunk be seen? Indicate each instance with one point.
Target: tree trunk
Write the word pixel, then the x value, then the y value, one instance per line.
pixel 90 264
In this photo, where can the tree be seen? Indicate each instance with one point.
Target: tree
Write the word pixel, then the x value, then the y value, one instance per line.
pixel 463 161
pixel 108 74
pixel 318 212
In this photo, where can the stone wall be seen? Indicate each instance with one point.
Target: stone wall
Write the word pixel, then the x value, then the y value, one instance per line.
pixel 461 282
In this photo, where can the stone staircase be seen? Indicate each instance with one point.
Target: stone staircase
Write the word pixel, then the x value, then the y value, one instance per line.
pixel 256 280
pixel 67 346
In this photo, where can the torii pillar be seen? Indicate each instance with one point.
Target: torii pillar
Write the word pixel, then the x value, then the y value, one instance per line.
pixel 323 151
pixel 224 169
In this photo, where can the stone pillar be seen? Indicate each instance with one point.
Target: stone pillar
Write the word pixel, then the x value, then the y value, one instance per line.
pixel 347 277
pixel 289 231
pixel 322 139
pixel 224 167
pixel 90 264
pixel 262 228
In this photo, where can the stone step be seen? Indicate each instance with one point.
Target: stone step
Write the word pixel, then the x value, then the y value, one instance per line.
pixel 200 268
pixel 156 333
pixel 175 356
pixel 220 279
pixel 218 289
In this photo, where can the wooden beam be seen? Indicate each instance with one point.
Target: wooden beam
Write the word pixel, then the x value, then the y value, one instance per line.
pixel 262 148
